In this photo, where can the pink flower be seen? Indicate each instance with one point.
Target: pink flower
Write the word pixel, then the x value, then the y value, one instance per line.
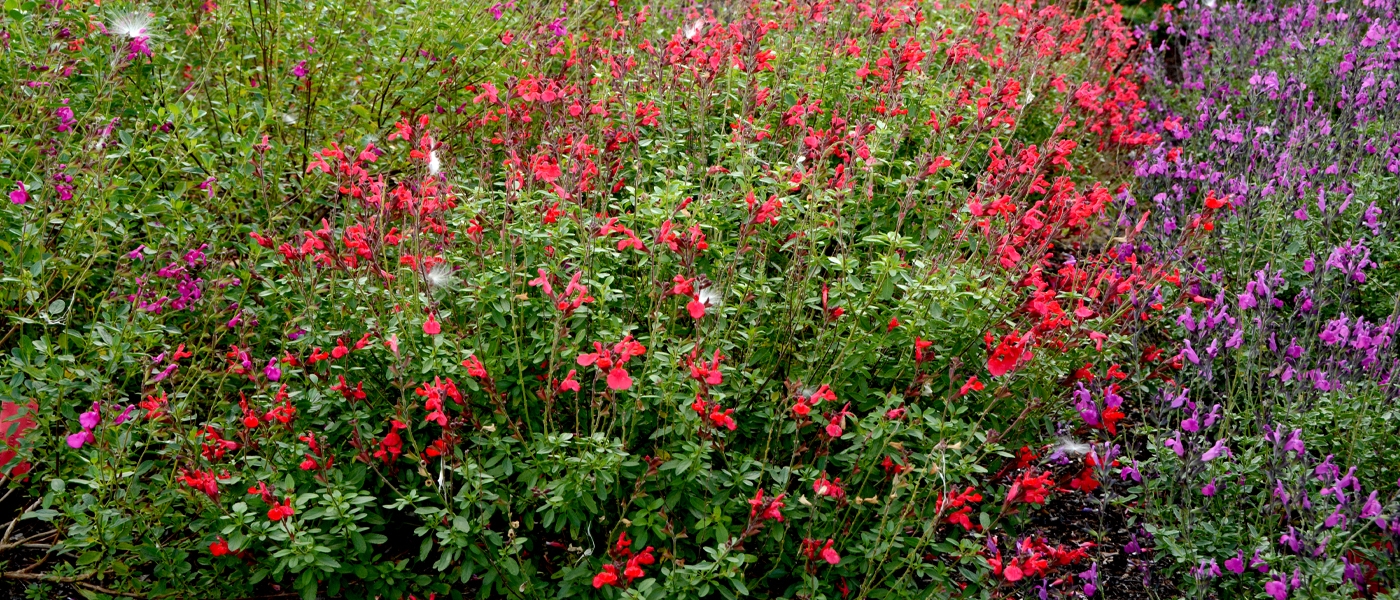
pixel 618 379
pixel 569 384
pixel 77 440
pixel 431 327
pixel 21 195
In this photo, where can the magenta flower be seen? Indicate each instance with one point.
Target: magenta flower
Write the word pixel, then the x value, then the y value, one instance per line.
pixel 88 421
pixel 91 418
pixel 1236 564
pixel 1372 507
pixel 21 195
pixel 1176 447
pixel 77 440
pixel 1216 451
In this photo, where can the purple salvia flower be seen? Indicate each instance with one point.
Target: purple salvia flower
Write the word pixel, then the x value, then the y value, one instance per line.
pixel 20 195
pixel 1192 424
pixel 126 415
pixel 1236 564
pixel 1372 507
pixel 77 440
pixel 1175 445
pixel 166 373
pixel 1335 519
pixel 1216 451
pixel 1294 443
pixel 91 418
pixel 1190 354
pixel 1214 414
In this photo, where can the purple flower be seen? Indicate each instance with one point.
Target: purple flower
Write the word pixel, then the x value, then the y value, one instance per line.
pixel 1209 489
pixel 1258 563
pixel 271 371
pixel 126 415
pixel 21 195
pixel 91 418
pixel 65 118
pixel 1214 414
pixel 1216 451
pixel 166 373
pixel 1277 589
pixel 1190 354
pixel 1192 424
pixel 1335 519
pixel 1371 508
pixel 1294 443
pixel 1132 547
pixel 77 440
pixel 299 71
pixel 1175 445
pixel 1090 576
pixel 136 254
pixel 1370 217
pixel 556 27
pixel 1236 564
pixel 1326 470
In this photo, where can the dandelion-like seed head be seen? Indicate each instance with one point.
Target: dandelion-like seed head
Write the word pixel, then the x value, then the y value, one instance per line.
pixel 693 30
pixel 132 25
pixel 709 296
pixel 441 277
pixel 434 163
pixel 1071 447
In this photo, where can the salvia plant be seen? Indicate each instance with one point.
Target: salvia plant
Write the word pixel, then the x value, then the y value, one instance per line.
pixel 899 299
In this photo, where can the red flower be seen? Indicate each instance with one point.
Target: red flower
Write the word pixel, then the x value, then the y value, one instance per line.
pixel 340 349
pixel 431 327
pixel 475 368
pixel 1030 489
pixel 695 306
pixel 919 345
pixel 569 384
pixel 824 487
pixel 971 385
pixel 392 445
pixel 1004 359
pixel 1085 482
pixel 280 511
pixel 1111 416
pixel 894 322
pixel 810 549
pixel 769 509
pixel 607 577
pixel 618 379
pixel 219 548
